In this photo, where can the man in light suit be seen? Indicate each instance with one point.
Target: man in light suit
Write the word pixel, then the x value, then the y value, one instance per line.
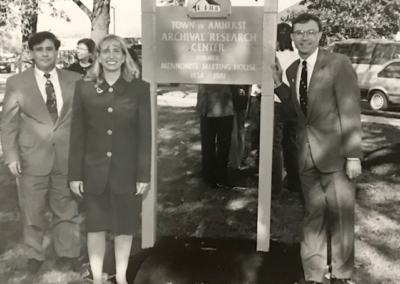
pixel 35 129
pixel 324 95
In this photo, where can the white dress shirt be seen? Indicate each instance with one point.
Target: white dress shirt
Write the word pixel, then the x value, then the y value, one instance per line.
pixel 311 61
pixel 286 58
pixel 41 81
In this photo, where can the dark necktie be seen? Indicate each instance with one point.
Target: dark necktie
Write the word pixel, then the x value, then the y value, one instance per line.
pixel 51 101
pixel 303 88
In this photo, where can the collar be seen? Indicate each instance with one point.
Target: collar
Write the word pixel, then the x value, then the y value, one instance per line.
pixel 40 73
pixel 312 59
pixel 119 86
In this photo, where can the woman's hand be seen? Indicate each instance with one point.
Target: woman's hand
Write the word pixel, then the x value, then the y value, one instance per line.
pixel 142 187
pixel 77 187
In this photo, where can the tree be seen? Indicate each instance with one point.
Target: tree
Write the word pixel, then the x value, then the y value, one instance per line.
pixel 99 17
pixel 3 13
pixel 354 19
pixel 23 14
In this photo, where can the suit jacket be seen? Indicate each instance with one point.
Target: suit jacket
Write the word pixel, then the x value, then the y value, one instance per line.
pixel 28 133
pixel 332 128
pixel 110 136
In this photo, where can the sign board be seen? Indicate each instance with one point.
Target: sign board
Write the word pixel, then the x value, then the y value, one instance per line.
pixel 210 42
pixel 213 50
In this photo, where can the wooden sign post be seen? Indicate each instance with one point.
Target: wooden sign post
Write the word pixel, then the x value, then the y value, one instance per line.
pixel 211 42
pixel 149 210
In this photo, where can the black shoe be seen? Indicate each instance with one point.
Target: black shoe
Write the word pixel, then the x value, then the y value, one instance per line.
pixel 276 195
pixel 67 264
pixel 340 281
pixel 224 185
pixel 34 265
pixel 313 282
pixel 211 184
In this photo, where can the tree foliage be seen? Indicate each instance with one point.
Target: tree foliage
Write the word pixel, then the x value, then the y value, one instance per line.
pixel 354 19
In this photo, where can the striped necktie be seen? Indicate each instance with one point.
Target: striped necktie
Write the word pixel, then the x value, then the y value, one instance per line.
pixel 51 101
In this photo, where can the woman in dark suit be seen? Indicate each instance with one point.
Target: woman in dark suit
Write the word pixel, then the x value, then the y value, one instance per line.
pixel 109 159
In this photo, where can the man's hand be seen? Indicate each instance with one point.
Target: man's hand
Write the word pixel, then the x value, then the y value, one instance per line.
pixel 77 188
pixel 15 168
pixel 277 72
pixel 141 187
pixel 353 168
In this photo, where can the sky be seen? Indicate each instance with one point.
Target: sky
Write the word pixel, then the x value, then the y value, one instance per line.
pixel 127 14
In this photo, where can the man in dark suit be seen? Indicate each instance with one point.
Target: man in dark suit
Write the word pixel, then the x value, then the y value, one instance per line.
pixel 35 134
pixel 324 95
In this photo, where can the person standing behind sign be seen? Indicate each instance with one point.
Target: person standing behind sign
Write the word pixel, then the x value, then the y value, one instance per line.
pixel 215 107
pixel 85 53
pixel 323 93
pixel 110 148
pixel 240 97
pixel 285 126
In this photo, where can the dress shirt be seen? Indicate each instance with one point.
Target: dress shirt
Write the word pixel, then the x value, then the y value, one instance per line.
pixel 286 58
pixel 255 90
pixel 41 81
pixel 311 61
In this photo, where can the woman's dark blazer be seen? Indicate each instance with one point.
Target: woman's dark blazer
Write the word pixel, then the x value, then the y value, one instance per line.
pixel 110 138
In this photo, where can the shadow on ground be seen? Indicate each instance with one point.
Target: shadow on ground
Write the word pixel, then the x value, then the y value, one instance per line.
pixel 215 261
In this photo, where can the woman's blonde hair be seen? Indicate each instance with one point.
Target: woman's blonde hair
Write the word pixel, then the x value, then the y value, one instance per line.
pixel 129 69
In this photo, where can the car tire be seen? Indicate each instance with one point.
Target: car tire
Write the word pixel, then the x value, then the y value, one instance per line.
pixel 378 101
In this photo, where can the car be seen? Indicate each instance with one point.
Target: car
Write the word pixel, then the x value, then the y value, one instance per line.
pixel 367 54
pixel 381 86
pixel 5 66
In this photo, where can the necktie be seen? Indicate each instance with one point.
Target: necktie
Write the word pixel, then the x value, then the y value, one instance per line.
pixel 303 88
pixel 51 101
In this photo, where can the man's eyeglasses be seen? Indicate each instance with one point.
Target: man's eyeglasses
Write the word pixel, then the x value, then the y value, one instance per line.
pixel 81 49
pixel 310 34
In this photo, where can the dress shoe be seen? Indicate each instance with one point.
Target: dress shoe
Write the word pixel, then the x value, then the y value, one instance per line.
pixel 340 281
pixel 224 185
pixel 34 265
pixel 66 264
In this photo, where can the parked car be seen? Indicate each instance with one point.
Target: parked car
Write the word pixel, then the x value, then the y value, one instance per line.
pixel 374 61
pixel 5 66
pixel 381 86
pixel 367 54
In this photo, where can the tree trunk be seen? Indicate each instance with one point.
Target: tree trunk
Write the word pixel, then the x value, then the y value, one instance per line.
pixel 100 19
pixel 29 19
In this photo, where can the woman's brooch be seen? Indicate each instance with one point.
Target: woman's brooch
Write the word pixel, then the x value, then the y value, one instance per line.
pixel 98 90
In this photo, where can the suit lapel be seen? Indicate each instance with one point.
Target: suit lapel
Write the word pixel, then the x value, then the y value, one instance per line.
pixel 66 94
pixel 315 81
pixel 32 90
pixel 292 78
pixel 63 87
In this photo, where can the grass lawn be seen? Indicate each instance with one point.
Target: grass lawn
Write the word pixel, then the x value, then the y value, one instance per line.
pixel 186 207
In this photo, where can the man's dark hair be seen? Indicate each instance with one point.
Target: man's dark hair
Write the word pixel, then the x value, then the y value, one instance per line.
pixel 38 38
pixel 90 44
pixel 283 37
pixel 305 18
